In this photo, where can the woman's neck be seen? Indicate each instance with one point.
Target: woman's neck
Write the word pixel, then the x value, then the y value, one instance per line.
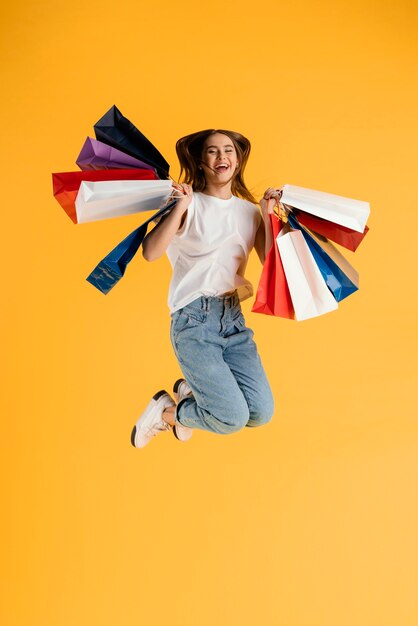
pixel 219 191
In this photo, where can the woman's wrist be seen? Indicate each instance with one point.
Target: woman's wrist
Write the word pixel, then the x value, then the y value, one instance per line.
pixel 266 209
pixel 182 205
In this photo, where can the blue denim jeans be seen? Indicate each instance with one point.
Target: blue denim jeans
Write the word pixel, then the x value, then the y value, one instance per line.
pixel 219 360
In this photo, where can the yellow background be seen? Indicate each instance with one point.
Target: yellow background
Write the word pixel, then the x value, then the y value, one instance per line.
pixel 311 521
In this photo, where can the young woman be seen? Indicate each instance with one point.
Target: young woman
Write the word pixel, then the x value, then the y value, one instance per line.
pixel 208 237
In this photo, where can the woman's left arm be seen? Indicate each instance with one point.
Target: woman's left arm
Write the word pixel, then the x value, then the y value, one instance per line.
pixel 264 239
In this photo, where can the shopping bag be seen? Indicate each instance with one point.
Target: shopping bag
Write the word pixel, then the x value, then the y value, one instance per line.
pixel 310 295
pixel 342 235
pixel 344 211
pixel 96 155
pixel 340 277
pixel 117 131
pixel 111 269
pixel 103 200
pixel 273 296
pixel 66 184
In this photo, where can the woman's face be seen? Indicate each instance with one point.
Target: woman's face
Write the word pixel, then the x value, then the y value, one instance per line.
pixel 219 158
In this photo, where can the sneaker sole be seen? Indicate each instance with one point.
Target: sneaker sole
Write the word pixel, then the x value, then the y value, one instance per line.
pixel 175 390
pixel 177 385
pixel 156 396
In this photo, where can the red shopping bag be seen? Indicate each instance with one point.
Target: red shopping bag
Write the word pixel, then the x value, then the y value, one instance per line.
pixel 67 184
pixel 273 295
pixel 346 237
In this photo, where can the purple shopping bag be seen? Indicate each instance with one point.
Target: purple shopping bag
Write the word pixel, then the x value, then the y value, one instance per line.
pixel 96 155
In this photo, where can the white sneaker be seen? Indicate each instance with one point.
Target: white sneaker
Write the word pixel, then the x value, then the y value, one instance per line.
pixel 182 390
pixel 151 421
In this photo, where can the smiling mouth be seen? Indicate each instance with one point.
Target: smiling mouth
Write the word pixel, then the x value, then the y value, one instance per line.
pixel 222 168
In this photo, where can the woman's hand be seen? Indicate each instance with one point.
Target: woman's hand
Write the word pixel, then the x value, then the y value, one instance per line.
pixel 269 200
pixel 184 193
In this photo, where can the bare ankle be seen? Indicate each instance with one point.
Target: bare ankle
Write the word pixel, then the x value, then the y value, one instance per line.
pixel 169 415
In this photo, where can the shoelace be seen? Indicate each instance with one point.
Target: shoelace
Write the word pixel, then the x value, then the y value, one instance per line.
pixel 158 428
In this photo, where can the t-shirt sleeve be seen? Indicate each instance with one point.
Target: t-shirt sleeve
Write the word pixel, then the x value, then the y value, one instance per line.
pixel 256 215
pixel 182 232
pixel 175 244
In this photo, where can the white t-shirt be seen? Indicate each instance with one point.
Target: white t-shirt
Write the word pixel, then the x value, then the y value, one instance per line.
pixel 209 253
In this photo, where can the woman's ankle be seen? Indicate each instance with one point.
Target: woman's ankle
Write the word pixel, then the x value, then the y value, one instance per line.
pixel 169 415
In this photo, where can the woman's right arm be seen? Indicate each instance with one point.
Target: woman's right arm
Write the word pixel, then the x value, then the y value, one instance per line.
pixel 156 242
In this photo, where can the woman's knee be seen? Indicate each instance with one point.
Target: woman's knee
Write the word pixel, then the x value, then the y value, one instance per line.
pixel 231 420
pixel 263 413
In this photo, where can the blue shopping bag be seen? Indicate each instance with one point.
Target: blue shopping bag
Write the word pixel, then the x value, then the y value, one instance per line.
pixel 337 281
pixel 111 269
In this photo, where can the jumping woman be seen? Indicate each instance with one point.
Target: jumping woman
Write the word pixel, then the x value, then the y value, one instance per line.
pixel 208 237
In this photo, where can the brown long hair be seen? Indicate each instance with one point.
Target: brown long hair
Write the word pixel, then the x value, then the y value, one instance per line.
pixel 189 152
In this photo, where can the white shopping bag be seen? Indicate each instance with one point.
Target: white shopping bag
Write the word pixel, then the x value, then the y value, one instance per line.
pixel 104 199
pixel 308 290
pixel 337 209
